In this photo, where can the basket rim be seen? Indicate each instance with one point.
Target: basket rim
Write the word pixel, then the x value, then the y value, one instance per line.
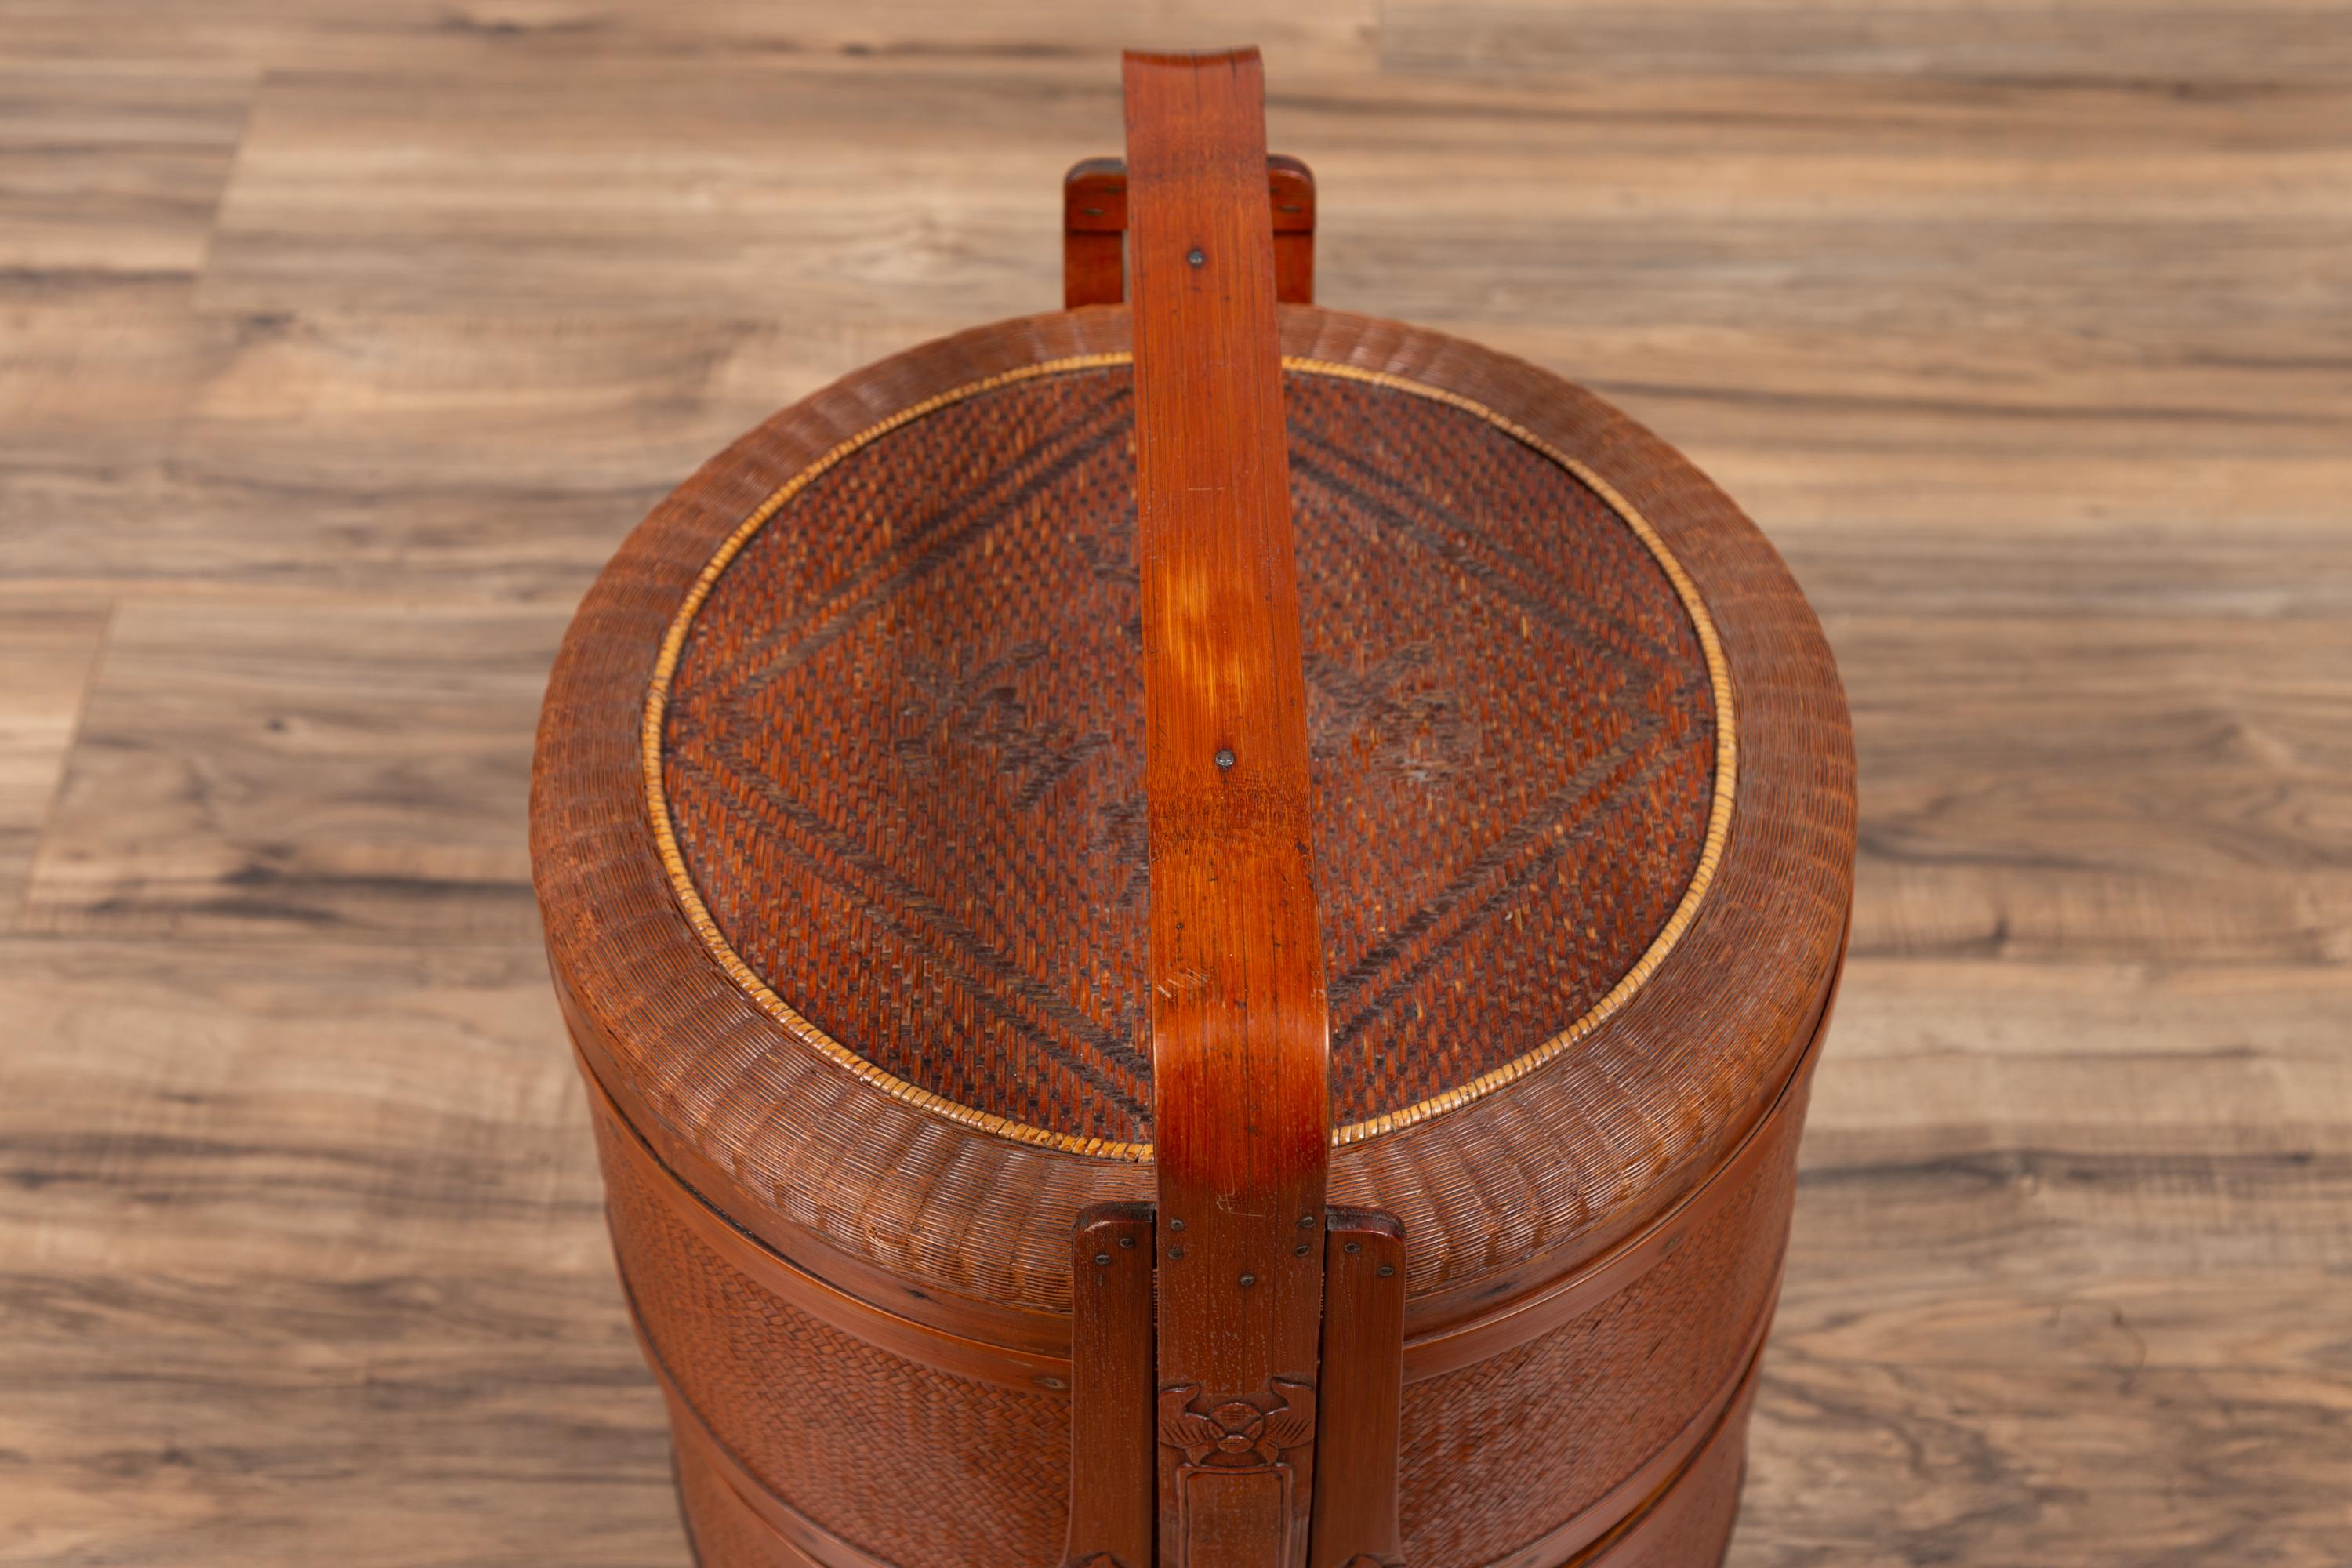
pixel 1511 1186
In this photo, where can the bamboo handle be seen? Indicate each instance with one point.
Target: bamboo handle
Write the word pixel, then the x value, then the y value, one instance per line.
pixel 1239 1028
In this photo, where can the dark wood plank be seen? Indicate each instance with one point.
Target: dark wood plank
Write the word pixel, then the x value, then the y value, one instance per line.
pixel 1356 1523
pixel 1240 1040
pixel 1114 1465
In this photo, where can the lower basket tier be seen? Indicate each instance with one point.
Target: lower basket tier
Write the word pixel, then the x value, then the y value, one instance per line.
pixel 801 1438
pixel 1684 1524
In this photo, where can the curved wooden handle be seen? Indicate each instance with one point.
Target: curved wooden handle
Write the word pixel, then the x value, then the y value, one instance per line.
pixel 1239 1033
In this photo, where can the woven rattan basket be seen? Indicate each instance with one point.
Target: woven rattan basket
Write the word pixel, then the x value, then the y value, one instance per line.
pixel 1197 931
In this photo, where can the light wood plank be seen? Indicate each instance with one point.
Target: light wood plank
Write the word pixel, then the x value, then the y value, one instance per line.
pixel 111 166
pixel 2137 1419
pixel 305 1263
pixel 2150 45
pixel 46 653
pixel 793 31
pixel 287 770
pixel 483 457
pixel 2158 788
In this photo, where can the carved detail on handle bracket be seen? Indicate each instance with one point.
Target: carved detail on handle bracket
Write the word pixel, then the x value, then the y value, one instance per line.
pixel 1238 1433
pixel 1236 1468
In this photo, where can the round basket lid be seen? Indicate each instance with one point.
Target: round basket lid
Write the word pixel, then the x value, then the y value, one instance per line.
pixel 840 816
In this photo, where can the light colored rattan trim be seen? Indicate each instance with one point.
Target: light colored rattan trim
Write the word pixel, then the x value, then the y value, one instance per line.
pixel 697 915
pixel 1727 765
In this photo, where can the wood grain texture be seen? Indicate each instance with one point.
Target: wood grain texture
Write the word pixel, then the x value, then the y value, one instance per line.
pixel 1114 1463
pixel 2022 328
pixel 1093 220
pixel 1358 1414
pixel 48 651
pixel 241 768
pixel 1241 1060
pixel 294 1251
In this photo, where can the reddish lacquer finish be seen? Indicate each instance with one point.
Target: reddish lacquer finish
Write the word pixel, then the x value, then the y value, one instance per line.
pixel 1114 1473
pixel 1363 1392
pixel 1094 231
pixel 1240 1049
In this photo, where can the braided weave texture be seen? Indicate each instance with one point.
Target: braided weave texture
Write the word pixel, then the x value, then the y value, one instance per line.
pixel 1496 1193
pixel 903 748
pixel 1497 1453
pixel 905 1462
pixel 909 1464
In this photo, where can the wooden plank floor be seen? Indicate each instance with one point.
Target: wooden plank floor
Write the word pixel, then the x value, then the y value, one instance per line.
pixel 340 343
